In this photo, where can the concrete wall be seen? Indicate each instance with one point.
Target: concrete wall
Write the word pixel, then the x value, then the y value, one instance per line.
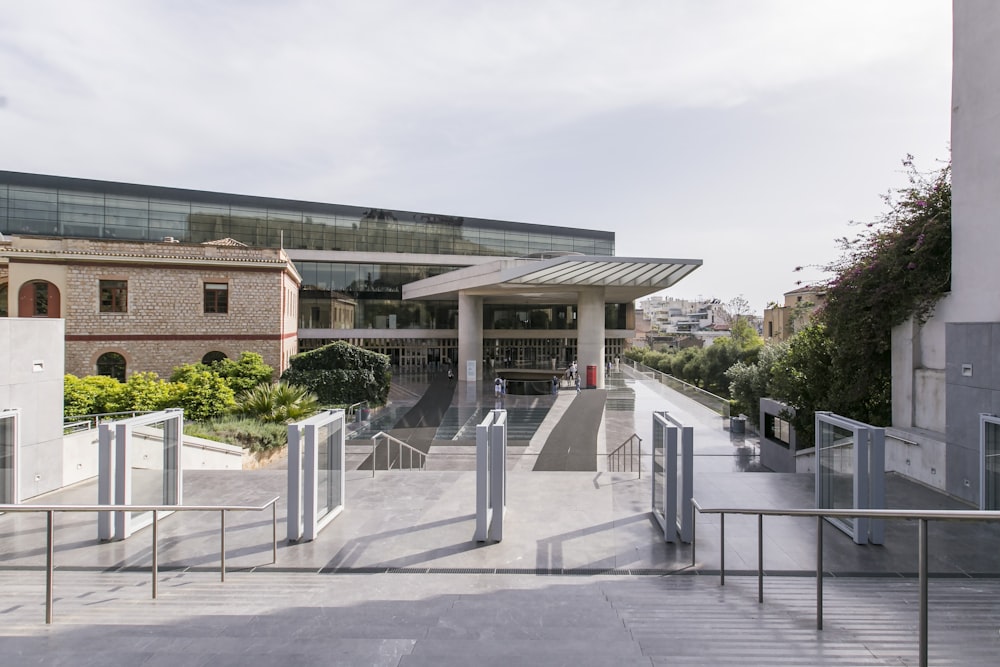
pixel 775 455
pixel 80 454
pixel 31 380
pixel 972 310
pixel 973 387
pixel 931 396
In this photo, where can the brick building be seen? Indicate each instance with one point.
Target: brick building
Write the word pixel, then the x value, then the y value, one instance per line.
pixel 134 306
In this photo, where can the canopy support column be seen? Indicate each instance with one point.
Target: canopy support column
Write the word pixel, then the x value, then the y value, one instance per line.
pixel 470 337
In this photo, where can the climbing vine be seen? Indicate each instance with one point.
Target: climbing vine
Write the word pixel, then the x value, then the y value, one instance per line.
pixel 896 268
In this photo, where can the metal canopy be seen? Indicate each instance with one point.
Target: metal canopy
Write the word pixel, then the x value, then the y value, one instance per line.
pixel 556 280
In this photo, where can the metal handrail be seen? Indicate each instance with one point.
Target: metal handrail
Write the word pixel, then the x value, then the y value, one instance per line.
pixel 617 457
pixel 410 451
pixel 922 516
pixel 93 420
pixel 708 399
pixel 50 511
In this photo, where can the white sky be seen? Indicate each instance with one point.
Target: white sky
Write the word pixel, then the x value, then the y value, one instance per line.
pixel 745 133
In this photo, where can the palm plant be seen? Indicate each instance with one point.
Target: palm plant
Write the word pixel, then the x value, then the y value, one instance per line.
pixel 277 403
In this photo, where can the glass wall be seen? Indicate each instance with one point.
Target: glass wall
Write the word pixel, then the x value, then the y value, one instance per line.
pixel 58 206
pixel 989 436
pixel 8 456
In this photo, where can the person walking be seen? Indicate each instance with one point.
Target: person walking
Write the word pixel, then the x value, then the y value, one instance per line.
pixel 555 385
pixel 497 387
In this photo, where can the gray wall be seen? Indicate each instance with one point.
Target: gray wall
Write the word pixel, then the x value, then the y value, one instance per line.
pixel 31 380
pixel 774 455
pixel 975 345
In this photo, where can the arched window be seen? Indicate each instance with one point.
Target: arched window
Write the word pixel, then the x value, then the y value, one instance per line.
pixel 111 364
pixel 212 357
pixel 38 299
pixel 3 300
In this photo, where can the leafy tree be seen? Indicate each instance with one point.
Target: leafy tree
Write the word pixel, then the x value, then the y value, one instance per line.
pixel 244 373
pixel 277 403
pixel 204 395
pixel 147 391
pixel 750 381
pixel 803 378
pixel 94 394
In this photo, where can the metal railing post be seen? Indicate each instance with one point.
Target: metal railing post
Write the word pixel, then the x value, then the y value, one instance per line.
pixel 760 558
pixel 819 573
pixel 922 574
pixel 639 461
pixel 222 545
pixel 156 516
pixel 49 554
pixel 694 533
pixel 274 533
pixel 722 549
pixel 373 455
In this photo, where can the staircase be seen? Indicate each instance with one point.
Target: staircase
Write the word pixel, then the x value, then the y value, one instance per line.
pixel 303 618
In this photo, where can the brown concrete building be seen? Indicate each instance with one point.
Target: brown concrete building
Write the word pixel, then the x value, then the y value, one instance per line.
pixel 781 322
pixel 139 306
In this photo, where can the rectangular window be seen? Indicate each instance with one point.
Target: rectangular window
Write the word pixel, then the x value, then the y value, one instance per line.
pixel 114 296
pixel 216 297
pixel 777 430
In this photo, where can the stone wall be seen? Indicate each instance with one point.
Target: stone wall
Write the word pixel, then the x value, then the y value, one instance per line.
pixel 165 324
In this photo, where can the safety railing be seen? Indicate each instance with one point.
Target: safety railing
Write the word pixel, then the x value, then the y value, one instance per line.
pixel 921 516
pixel 412 453
pixel 51 510
pixel 90 422
pixel 709 400
pixel 622 458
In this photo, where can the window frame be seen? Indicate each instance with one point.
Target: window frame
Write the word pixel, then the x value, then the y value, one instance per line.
pixel 118 295
pixel 211 301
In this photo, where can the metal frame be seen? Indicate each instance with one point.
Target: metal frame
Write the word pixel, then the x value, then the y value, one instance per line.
pixel 114 479
pixel 922 516
pixel 155 510
pixel 677 518
pixel 491 476
pixel 868 477
pixel 984 419
pixel 305 519
pixel 14 486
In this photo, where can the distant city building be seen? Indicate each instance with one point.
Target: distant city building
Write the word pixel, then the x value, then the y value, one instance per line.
pixel 781 322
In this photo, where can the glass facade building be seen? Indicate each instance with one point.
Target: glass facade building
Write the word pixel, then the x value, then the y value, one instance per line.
pixel 58 206
pixel 349 257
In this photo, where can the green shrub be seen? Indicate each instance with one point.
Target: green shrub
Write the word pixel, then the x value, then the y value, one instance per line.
pixel 245 373
pixel 249 434
pixel 147 392
pixel 90 395
pixel 204 395
pixel 341 373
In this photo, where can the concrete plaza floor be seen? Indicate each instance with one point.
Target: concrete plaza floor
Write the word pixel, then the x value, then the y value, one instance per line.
pixel 592 529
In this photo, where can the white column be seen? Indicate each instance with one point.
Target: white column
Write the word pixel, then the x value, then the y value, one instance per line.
pixel 590 333
pixel 470 337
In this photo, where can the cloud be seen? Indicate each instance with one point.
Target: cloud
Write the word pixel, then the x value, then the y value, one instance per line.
pixel 571 112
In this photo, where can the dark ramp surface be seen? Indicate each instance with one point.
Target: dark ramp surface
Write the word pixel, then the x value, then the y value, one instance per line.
pixel 431 408
pixel 572 445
